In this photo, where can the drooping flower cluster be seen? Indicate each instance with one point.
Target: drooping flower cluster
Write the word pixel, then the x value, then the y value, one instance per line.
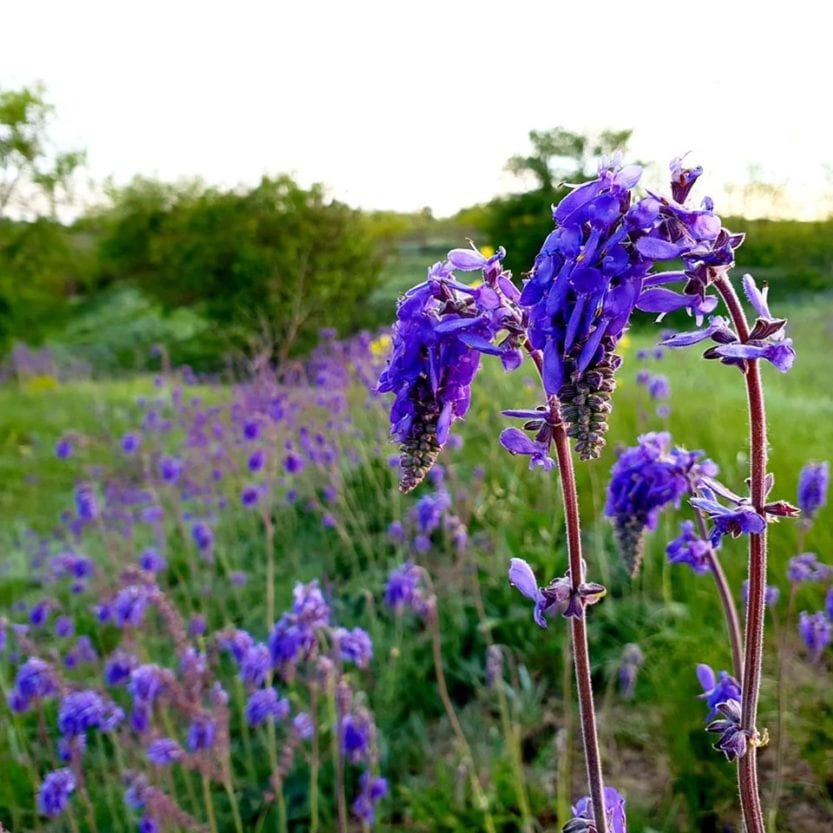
pixel 644 480
pixel 442 326
pixel 593 271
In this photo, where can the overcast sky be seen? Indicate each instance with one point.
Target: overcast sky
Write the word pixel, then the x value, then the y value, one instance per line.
pixel 400 105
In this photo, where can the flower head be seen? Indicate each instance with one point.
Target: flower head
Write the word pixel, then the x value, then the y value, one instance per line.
pixel 614 808
pixel 689 548
pixel 442 327
pixel 54 793
pixel 816 631
pixel 644 480
pixel 812 488
pixel 717 689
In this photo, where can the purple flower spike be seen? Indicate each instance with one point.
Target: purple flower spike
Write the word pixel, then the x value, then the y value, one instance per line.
pixel 164 752
pixel 645 480
pixel 812 489
pixel 689 548
pixel 807 567
pixel 54 793
pixel 816 631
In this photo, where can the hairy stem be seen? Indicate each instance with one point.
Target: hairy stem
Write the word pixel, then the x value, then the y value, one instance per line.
pixel 754 634
pixel 581 652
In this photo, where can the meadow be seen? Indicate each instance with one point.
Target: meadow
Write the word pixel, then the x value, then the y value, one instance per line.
pixel 161 516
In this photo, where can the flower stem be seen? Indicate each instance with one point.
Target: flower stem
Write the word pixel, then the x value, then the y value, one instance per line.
pixel 730 610
pixel 581 653
pixel 754 634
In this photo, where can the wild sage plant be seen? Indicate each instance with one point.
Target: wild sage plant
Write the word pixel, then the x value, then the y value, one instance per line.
pixel 594 270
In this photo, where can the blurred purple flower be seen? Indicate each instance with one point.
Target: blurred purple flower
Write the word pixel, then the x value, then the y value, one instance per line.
pixel 812 488
pixel 689 548
pixel 54 793
pixel 816 631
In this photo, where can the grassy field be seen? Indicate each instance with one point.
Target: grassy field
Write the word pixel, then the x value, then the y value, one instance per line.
pixel 654 746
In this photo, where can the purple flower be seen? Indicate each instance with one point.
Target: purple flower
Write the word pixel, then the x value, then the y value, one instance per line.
pixel 372 789
pixel 557 596
pixel 645 480
pixel 689 548
pixel 354 646
pixel 807 567
pixel 164 752
pixel 63 448
pixel 250 496
pixel 257 460
pixel 251 429
pixel 35 680
pixel 293 464
pixel 430 509
pixel 396 532
pixel 264 705
pixel 356 731
pixel 516 441
pixel 812 488
pixel 148 825
pixel 54 793
pixel 147 684
pixel 614 808
pixel 237 642
pixel 86 504
pixel 404 589
pixel 130 442
pixel 717 689
pixel 739 519
pixel 303 726
pixel 203 536
pixel 152 562
pixel 733 741
pixel 128 608
pixel 118 668
pixel 79 711
pixel 771 594
pixel 816 631
pixel 39 614
pixel 442 327
pixel 255 664
pixel 659 387
pixel 170 469
pixel 201 733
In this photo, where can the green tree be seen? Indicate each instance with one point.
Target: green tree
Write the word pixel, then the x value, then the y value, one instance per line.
pixel 32 172
pixel 270 266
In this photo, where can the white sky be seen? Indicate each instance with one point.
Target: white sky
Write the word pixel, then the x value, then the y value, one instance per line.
pixel 400 105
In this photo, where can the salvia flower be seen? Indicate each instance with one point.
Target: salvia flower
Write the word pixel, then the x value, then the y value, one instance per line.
pixel 717 689
pixel 404 590
pixel 740 518
pixel 733 741
pixel 201 733
pixel 354 646
pixel 556 597
pixel 35 680
pixel 152 562
pixel 516 441
pixel 441 329
pixel 812 489
pixel 356 735
pixel 164 752
pixel 86 503
pixel 372 789
pixel 54 793
pixel 264 704
pixel 816 631
pixel 646 479
pixel 807 567
pixel 689 548
pixel 80 711
pixel 614 809
pixel 128 607
pixel 202 535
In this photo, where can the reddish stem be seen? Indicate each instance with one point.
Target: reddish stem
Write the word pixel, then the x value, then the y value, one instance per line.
pixel 754 635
